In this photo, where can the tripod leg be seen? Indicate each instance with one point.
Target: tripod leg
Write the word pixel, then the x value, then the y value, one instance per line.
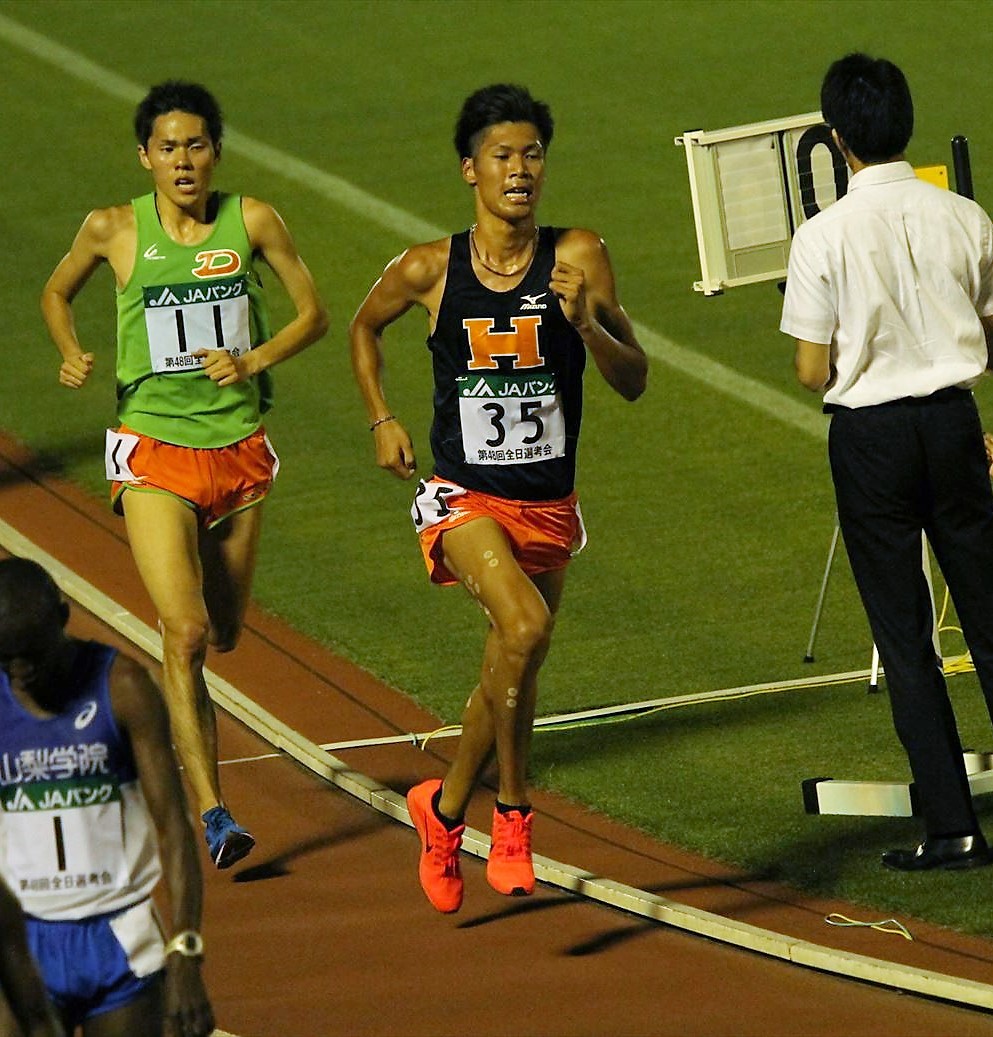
pixel 809 657
pixel 926 564
pixel 874 673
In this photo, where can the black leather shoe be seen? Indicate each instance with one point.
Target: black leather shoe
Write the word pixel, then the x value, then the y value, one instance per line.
pixel 968 851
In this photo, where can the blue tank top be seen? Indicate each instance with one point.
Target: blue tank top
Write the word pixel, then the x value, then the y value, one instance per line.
pixel 508 381
pixel 75 835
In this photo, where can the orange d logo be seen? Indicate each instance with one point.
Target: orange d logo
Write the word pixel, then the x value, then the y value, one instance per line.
pixel 217 262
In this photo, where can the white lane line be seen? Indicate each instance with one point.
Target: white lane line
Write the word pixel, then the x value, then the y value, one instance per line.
pixel 250 759
pixel 555 873
pixel 408 228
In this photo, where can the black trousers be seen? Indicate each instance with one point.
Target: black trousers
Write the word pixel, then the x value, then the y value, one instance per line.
pixel 900 469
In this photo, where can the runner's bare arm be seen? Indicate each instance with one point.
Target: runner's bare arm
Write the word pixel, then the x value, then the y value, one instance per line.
pixel 271 240
pixel 20 983
pixel 94 244
pixel 140 711
pixel 415 276
pixel 583 280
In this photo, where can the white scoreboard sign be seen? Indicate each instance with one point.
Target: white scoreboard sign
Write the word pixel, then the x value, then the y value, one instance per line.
pixel 751 187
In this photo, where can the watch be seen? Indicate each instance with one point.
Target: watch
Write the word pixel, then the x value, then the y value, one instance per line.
pixel 189 943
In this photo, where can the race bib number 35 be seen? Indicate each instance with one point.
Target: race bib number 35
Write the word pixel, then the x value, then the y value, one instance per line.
pixel 183 318
pixel 510 418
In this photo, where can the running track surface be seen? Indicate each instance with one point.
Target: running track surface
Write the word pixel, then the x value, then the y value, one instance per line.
pixel 323 930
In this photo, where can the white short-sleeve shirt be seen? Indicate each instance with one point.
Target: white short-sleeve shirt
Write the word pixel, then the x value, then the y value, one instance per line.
pixel 894 276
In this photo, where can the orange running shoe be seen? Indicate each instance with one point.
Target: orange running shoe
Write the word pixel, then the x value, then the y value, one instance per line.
pixel 438 870
pixel 509 869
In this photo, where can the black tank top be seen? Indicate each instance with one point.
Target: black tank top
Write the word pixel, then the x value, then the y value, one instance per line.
pixel 508 381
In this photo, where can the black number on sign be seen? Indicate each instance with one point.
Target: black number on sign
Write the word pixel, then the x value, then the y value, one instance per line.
pixel 113 456
pixel 60 845
pixel 497 414
pixel 419 517
pixel 529 412
pixel 440 504
pixel 181 330
pixel 218 328
pixel 810 139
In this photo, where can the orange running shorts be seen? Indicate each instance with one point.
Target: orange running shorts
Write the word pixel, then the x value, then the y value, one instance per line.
pixel 215 482
pixel 543 535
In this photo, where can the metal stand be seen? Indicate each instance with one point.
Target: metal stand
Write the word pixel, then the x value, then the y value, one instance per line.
pixel 809 657
pixel 819 608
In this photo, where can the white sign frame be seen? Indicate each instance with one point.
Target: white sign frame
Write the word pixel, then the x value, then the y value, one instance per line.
pixel 751 186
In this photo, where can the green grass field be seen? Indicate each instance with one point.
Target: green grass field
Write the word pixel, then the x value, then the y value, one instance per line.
pixel 709 517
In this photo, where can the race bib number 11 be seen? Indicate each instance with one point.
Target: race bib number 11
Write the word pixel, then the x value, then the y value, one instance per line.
pixel 181 319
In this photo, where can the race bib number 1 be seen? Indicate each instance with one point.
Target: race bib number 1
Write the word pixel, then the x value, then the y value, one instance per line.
pixel 510 418
pixel 118 448
pixel 52 847
pixel 181 319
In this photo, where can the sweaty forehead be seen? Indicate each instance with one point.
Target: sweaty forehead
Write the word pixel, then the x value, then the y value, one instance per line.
pixel 510 134
pixel 179 125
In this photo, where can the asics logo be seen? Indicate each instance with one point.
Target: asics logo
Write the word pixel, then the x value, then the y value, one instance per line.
pixel 86 714
pixel 531 302
pixel 152 252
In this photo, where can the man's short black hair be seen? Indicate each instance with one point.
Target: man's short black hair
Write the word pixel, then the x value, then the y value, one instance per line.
pixel 867 100
pixel 502 102
pixel 175 95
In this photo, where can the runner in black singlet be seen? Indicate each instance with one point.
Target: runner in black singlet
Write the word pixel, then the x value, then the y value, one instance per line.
pixel 514 310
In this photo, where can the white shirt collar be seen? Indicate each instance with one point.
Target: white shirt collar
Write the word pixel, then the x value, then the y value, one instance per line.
pixel 882 173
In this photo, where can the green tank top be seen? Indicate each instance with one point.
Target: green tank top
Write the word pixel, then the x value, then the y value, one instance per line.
pixel 180 299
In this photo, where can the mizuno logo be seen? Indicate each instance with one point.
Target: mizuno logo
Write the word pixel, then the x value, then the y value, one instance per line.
pixel 532 299
pixel 531 302
pixel 152 252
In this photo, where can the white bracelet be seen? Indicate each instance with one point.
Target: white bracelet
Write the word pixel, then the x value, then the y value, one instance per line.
pixel 189 943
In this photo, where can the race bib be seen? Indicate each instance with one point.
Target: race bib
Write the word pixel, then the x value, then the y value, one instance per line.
pixel 431 502
pixel 61 837
pixel 118 448
pixel 510 418
pixel 184 318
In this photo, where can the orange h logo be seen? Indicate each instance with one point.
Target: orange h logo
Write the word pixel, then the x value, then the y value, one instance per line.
pixel 487 345
pixel 217 262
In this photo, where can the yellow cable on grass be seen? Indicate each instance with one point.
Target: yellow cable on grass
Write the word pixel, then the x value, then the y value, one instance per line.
pixel 885 925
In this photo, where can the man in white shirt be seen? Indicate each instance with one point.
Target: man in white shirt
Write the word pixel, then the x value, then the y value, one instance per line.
pixel 889 295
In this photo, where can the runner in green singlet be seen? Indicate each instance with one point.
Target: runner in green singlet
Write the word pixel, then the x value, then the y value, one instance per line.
pixel 190 463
